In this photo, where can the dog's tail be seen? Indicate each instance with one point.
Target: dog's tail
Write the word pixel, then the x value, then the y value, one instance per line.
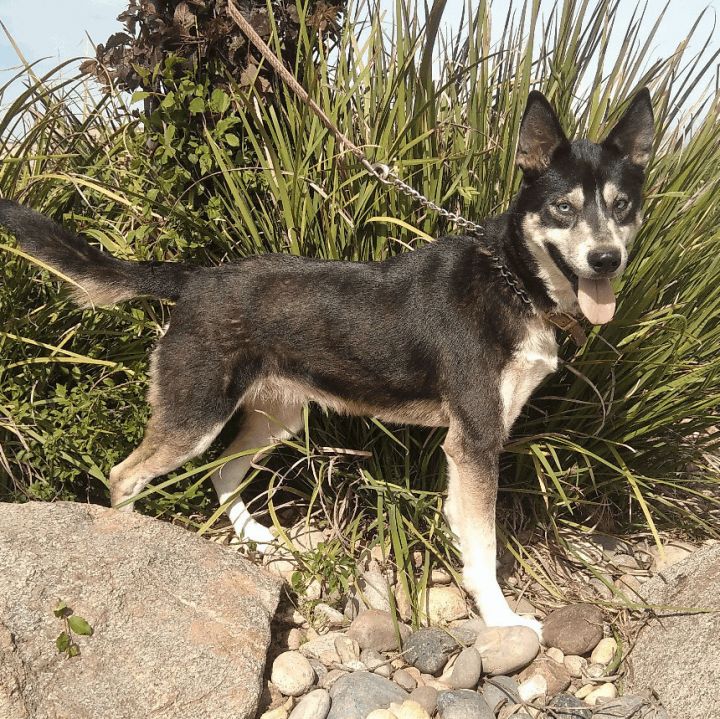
pixel 98 278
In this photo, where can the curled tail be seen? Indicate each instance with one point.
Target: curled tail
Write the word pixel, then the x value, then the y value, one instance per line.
pixel 100 278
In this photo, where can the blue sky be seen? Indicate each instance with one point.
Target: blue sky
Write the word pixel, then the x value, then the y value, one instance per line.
pixel 59 29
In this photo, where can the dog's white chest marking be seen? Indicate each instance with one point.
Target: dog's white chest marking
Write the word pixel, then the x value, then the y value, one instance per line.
pixel 534 359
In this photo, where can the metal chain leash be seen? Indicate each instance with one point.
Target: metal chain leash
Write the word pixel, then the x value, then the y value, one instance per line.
pixel 388 177
pixel 381 172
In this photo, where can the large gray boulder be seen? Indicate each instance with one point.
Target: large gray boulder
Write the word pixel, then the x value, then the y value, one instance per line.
pixel 678 654
pixel 181 626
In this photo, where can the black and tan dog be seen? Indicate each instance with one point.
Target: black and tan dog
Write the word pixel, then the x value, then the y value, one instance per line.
pixel 435 337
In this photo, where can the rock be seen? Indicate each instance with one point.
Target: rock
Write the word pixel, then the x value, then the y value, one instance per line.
pixel 373 629
pixel 556 676
pixel 584 690
pixel 313 591
pixel 294 639
pixel 604 651
pixel 314 705
pixel 596 546
pixel 627 707
pixel 355 695
pixel 630 585
pixel 572 707
pixel 160 599
pixel 533 688
pixel 678 654
pixel 556 655
pixel 404 680
pixel 429 649
pixel 381 714
pixel 499 691
pixel 279 557
pixel 466 631
pixel 595 671
pixel 372 659
pixel 331 677
pixel 447 671
pixel 348 649
pixel 440 576
pixel 601 589
pixel 520 605
pixel 601 693
pixel 409 710
pixel 575 665
pixel 625 562
pixel 426 697
pixel 319 668
pixel 431 681
pixel 292 674
pixel 505 650
pixel 510 710
pixel 356 665
pixel 445 604
pixel 374 591
pixel 277 713
pixel 575 629
pixel 402 602
pixel 672 553
pixel 462 704
pixel 414 672
pixel 322 648
pixel 331 616
pixel 466 670
pixel 376 662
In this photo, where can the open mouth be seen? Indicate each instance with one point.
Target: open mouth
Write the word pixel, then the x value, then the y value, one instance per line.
pixel 595 295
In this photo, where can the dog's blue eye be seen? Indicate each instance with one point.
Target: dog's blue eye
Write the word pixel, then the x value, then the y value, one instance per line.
pixel 621 204
pixel 564 207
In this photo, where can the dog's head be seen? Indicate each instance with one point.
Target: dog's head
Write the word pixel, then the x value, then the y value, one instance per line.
pixel 579 206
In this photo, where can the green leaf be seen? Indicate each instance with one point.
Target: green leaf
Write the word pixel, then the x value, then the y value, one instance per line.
pixel 60 609
pixel 80 625
pixel 62 642
pixel 73 650
pixel 138 96
pixel 168 101
pixel 219 100
pixel 197 104
pixel 232 140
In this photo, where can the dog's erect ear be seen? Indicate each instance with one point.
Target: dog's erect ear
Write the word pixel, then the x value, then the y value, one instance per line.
pixel 540 135
pixel 633 134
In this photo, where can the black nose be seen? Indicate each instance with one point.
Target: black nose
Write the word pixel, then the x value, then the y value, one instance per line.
pixel 604 261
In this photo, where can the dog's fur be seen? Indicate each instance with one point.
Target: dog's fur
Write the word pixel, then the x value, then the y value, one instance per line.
pixel 433 337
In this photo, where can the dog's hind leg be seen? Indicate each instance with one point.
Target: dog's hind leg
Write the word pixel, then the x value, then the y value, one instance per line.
pixel 166 446
pixel 263 425
pixel 190 405
pixel 472 486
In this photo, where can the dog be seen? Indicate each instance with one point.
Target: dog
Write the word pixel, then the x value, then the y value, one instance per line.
pixel 454 334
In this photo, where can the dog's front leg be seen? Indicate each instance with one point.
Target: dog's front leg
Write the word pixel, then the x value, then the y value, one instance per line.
pixel 472 492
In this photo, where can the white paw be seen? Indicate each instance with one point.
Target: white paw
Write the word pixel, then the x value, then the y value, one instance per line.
pixel 517 620
pixel 253 531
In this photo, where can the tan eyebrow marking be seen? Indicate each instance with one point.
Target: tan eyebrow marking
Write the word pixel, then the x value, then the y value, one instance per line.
pixel 576 197
pixel 609 193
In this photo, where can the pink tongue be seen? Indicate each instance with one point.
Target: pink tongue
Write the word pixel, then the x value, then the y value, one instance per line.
pixel 596 300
